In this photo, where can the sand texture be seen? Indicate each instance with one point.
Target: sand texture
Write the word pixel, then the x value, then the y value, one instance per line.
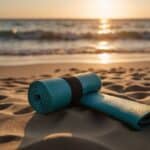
pixel 72 128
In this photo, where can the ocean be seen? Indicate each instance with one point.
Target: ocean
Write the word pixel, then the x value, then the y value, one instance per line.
pixel 40 37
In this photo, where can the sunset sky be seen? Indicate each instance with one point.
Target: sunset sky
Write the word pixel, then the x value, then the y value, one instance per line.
pixel 74 8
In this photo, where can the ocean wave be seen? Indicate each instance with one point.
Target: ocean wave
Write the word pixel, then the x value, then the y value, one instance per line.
pixel 82 50
pixel 48 35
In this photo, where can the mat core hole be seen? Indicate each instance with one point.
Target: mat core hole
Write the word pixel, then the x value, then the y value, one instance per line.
pixel 37 97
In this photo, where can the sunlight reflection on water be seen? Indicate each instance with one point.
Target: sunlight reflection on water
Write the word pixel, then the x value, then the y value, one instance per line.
pixel 105 58
pixel 104 26
pixel 104 45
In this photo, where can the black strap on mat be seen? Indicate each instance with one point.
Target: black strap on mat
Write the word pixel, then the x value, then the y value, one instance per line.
pixel 76 89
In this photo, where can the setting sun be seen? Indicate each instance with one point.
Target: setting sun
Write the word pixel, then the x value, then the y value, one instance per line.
pixel 106 8
pixel 74 9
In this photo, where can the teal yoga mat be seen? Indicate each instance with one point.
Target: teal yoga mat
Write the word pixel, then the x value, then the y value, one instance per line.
pixel 51 95
pixel 134 114
pixel 54 94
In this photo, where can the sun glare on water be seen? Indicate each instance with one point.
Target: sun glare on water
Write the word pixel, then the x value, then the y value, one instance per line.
pixel 104 26
pixel 104 58
pixel 103 45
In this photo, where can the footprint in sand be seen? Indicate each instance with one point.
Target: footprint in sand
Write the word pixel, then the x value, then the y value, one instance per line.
pixel 9 138
pixel 147 83
pixel 2 97
pixel 116 87
pixel 139 69
pixel 91 69
pixel 8 79
pixel 57 70
pixel 137 88
pixel 147 78
pixel 102 71
pixel 24 111
pixel 4 106
pixel 116 78
pixel 10 85
pixel 139 95
pixel 113 70
pixel 66 75
pixel 73 69
pixel 22 82
pixel 105 83
pixel 119 71
pixel 131 69
pixel 103 77
pixel 82 71
pixel 137 76
pixel 20 90
pixel 46 75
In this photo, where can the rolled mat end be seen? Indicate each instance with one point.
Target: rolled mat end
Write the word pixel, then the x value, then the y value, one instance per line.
pixel 49 95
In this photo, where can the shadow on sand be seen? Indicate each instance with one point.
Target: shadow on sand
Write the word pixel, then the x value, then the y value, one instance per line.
pixel 59 130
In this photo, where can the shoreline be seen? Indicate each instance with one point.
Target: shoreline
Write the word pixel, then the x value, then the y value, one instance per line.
pixel 104 58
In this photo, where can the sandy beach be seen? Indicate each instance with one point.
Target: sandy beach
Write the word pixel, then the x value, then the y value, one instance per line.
pixel 22 128
pixel 46 104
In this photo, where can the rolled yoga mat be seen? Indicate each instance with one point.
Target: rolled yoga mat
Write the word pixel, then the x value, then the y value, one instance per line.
pixel 135 114
pixel 51 95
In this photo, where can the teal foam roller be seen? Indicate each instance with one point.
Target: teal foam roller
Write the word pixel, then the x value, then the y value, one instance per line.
pixel 54 94
pixel 135 114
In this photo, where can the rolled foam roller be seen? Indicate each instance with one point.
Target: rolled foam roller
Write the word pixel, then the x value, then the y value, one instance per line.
pixel 135 114
pixel 54 94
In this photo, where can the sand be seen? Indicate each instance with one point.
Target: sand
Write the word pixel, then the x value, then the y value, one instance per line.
pixel 72 128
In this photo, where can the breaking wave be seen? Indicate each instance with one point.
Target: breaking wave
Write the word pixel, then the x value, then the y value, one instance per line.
pixel 48 35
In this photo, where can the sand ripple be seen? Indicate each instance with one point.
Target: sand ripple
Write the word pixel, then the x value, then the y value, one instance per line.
pixel 131 83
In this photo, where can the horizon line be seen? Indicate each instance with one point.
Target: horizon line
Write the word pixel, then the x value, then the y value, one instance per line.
pixel 76 18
